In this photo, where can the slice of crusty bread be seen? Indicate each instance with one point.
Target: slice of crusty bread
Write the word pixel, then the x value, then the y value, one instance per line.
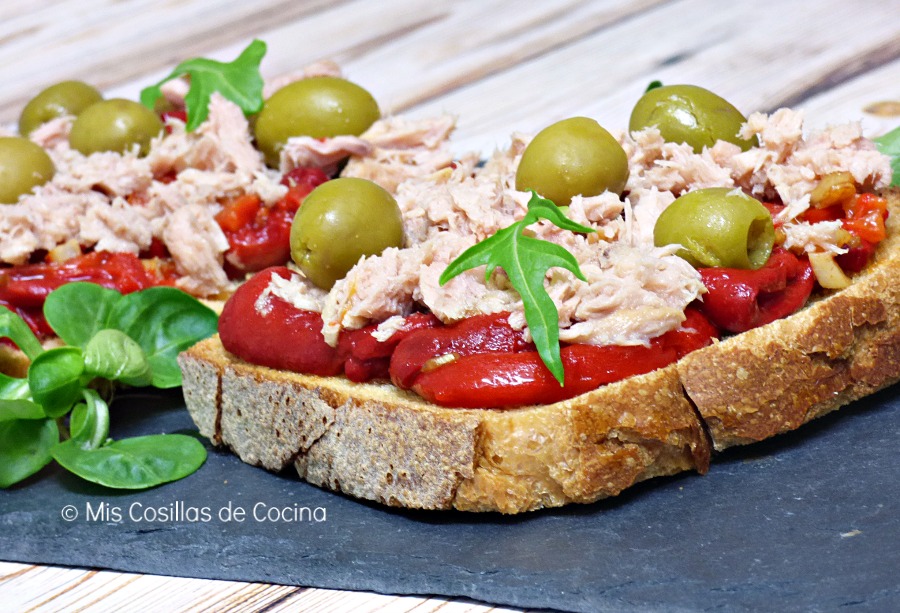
pixel 380 443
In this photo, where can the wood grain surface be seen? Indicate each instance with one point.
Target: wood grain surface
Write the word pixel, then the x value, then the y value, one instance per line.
pixel 500 66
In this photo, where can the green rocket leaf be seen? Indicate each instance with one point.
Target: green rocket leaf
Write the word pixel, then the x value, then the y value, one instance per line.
pixel 526 261
pixel 239 81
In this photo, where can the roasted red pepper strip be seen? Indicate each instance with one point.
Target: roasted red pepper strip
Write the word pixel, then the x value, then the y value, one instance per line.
pixel 367 358
pixel 287 338
pixel 496 380
pixel 865 216
pixel 284 337
pixel 738 300
pixel 479 334
pixel 508 379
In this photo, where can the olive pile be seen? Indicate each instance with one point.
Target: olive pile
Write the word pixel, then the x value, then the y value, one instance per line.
pixel 715 227
pixel 346 219
pixel 100 125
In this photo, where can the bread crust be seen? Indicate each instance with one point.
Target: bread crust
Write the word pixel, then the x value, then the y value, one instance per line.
pixel 377 442
pixel 777 377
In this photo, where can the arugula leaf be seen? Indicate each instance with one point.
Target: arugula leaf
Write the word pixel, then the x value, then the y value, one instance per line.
pixel 239 81
pixel 526 261
pixel 889 144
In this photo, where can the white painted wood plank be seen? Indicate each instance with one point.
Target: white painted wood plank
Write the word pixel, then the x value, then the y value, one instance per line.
pixel 41 589
pixel 742 53
pixel 859 98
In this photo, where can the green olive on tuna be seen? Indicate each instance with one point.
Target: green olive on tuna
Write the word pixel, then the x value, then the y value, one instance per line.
pixel 339 222
pixel 24 165
pixel 689 114
pixel 66 98
pixel 319 107
pixel 114 125
pixel 717 226
pixel 571 157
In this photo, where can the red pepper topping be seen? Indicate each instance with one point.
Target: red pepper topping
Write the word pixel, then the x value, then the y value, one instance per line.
pixel 865 216
pixel 487 375
pixel 368 358
pixel 284 337
pixel 473 335
pixel 856 257
pixel 738 300
pixel 24 288
pixel 260 236
pixel 287 338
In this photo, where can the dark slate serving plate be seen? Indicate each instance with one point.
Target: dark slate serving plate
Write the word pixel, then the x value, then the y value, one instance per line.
pixel 807 521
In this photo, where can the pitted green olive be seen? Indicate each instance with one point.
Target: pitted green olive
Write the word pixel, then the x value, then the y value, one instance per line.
pixel 717 226
pixel 114 125
pixel 571 157
pixel 66 98
pixel 23 166
pixel 339 222
pixel 689 114
pixel 319 107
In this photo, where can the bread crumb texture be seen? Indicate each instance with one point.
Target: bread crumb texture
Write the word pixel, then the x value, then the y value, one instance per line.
pixel 377 442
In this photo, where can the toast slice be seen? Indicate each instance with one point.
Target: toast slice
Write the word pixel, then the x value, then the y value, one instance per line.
pixel 377 442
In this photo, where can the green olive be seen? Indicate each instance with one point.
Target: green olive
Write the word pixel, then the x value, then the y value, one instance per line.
pixel 114 125
pixel 571 157
pixel 319 107
pixel 339 222
pixel 23 166
pixel 66 98
pixel 689 114
pixel 717 226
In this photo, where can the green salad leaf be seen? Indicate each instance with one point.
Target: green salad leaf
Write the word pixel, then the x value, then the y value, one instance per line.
pixel 133 339
pixel 239 81
pixel 889 144
pixel 133 463
pixel 25 448
pixel 77 311
pixel 526 261
pixel 15 329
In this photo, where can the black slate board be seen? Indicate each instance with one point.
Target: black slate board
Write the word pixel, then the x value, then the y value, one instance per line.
pixel 808 521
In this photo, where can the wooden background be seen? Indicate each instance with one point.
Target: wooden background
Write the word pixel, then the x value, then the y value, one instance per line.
pixel 500 66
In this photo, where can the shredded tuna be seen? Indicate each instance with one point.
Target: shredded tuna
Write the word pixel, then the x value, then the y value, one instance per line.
pixel 115 226
pixel 403 149
pixel 53 133
pixel 454 201
pixel 327 153
pixel 375 289
pixel 197 245
pixel 296 290
pixel 221 144
pixel 822 236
